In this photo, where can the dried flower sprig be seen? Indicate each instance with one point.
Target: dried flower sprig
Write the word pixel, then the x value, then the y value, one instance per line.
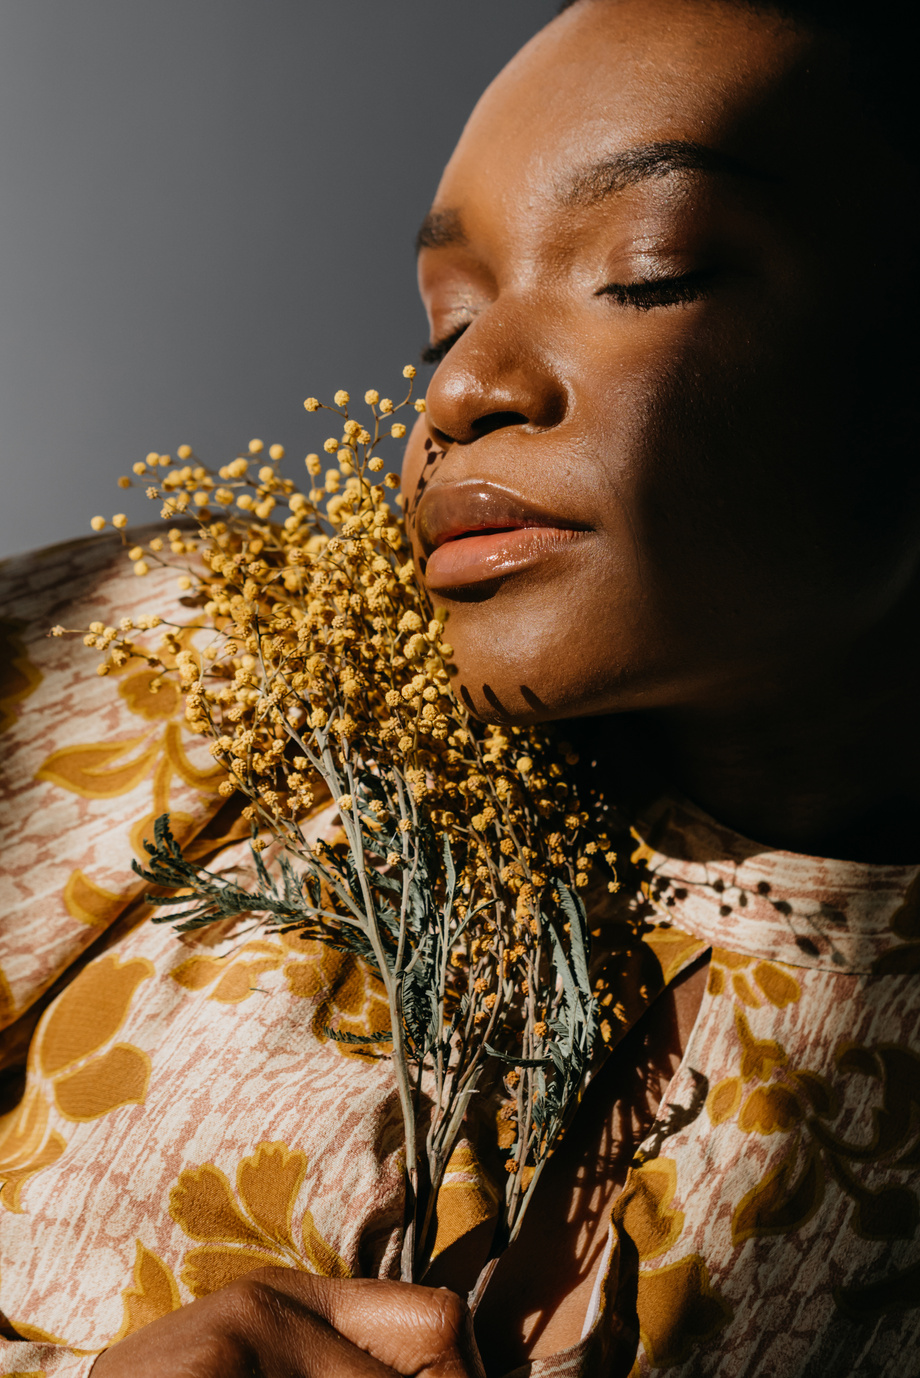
pixel 320 672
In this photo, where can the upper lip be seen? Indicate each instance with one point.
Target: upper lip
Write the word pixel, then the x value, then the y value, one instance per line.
pixel 447 511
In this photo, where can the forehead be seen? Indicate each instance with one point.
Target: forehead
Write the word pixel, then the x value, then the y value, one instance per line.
pixel 610 75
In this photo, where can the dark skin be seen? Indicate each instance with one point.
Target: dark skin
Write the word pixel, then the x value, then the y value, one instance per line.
pixel 749 563
pixel 697 370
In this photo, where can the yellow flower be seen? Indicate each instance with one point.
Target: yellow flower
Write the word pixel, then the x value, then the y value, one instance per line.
pixel 321 641
pixel 97 523
pixel 119 520
pixel 184 452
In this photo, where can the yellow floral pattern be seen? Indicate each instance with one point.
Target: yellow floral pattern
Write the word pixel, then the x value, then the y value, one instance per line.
pixel 105 770
pixel 252 1226
pixel 770 1097
pixel 78 1069
pixel 346 996
pixel 754 983
pixel 19 676
pixel 182 1119
pixel 677 1305
pixel 152 1294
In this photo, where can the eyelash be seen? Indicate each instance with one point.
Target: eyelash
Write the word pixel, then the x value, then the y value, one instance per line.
pixel 643 296
pixel 434 353
pixel 677 291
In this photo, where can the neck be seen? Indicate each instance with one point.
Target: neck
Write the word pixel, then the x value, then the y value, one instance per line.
pixel 826 763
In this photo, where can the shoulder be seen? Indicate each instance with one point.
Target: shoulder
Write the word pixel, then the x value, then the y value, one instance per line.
pixel 86 762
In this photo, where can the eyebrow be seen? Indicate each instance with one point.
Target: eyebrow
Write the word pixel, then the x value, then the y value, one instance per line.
pixel 590 185
pixel 613 174
pixel 440 229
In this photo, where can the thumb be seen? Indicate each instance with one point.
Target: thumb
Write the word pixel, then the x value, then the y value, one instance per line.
pixel 420 1332
pixel 461 1359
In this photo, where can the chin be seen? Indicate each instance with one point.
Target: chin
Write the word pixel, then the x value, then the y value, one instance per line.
pixel 517 690
pixel 535 648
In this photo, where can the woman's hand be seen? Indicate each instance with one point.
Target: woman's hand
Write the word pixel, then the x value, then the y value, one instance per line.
pixel 280 1323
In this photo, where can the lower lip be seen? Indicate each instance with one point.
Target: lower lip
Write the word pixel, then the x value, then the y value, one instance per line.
pixel 477 559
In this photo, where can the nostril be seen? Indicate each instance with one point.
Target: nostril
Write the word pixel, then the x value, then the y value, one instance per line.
pixel 496 421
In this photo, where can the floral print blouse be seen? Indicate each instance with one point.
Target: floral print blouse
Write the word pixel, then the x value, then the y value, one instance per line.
pixel 173 1114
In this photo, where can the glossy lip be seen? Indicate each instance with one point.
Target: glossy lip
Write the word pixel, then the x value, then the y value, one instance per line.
pixel 475 531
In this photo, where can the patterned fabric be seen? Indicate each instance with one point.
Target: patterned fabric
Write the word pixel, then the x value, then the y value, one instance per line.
pixel 185 1116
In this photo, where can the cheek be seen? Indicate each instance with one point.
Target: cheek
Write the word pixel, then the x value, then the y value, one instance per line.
pixel 419 462
pixel 732 527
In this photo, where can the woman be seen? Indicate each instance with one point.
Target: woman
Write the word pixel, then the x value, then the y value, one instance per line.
pixel 663 475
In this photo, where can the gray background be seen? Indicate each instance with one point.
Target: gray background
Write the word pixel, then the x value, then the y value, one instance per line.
pixel 207 210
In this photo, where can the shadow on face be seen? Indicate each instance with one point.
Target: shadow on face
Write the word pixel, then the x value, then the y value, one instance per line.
pixel 666 455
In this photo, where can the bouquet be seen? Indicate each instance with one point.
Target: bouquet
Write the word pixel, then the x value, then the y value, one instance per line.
pixel 320 672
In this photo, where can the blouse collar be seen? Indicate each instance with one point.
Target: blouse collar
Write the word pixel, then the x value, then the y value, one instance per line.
pixel 843 916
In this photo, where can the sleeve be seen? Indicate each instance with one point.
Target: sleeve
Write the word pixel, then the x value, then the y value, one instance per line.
pixel 22 1359
pixel 86 763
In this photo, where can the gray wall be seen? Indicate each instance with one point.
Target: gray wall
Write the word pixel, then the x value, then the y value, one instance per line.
pixel 207 210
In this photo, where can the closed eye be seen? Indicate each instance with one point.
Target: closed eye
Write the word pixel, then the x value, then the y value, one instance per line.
pixel 434 353
pixel 643 295
pixel 658 291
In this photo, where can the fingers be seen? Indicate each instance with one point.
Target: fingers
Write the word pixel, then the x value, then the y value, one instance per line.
pixel 251 1326
pixel 283 1323
pixel 422 1332
pixel 272 1323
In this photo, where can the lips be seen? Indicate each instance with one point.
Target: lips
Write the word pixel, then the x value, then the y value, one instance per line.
pixel 473 532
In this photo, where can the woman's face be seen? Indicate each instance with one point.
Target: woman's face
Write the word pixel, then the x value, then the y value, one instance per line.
pixel 664 251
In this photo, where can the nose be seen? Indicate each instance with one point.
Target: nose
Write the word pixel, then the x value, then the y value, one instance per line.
pixel 497 375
